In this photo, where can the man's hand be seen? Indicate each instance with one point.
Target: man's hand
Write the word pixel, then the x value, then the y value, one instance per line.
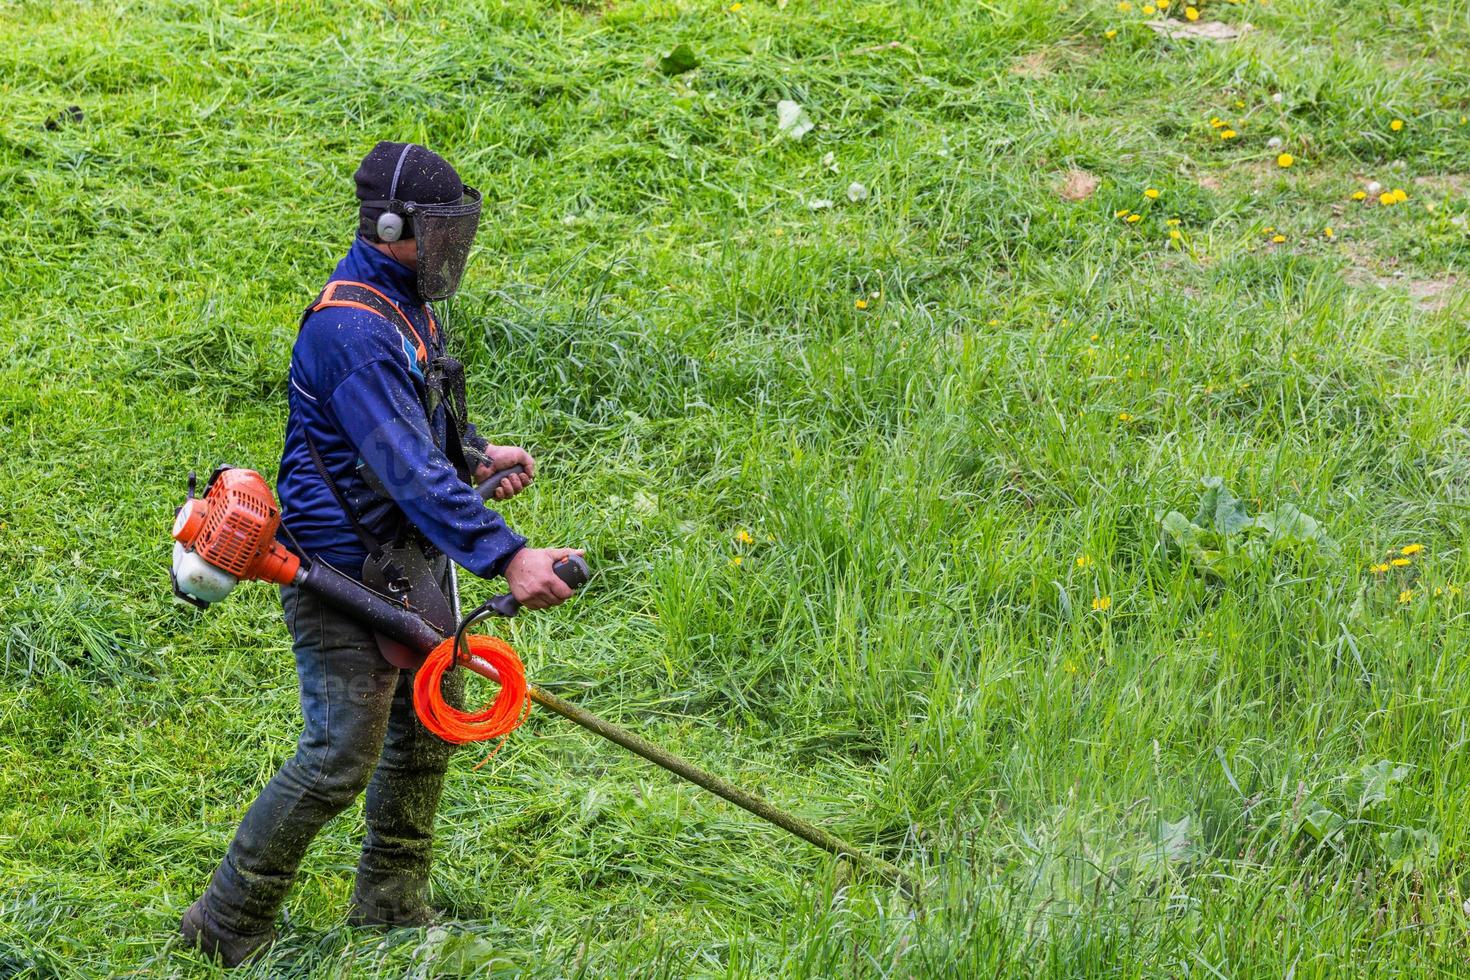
pixel 532 581
pixel 503 458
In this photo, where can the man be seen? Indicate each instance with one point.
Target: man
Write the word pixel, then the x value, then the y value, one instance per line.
pixel 374 480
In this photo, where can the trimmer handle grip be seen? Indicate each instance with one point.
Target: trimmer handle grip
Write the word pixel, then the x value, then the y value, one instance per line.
pixel 488 488
pixel 572 570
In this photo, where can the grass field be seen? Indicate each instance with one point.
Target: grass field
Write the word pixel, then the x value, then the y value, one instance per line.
pixel 875 489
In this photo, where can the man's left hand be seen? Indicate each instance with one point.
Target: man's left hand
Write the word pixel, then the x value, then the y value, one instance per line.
pixel 503 458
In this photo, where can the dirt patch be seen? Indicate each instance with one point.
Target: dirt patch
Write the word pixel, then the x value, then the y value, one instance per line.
pixel 1264 171
pixel 1432 294
pixel 1428 293
pixel 1077 185
pixel 1201 30
pixel 1210 182
pixel 1260 172
pixel 1445 185
pixel 1037 64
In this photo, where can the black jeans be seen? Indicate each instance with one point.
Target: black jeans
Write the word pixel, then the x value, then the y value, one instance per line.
pixel 360 732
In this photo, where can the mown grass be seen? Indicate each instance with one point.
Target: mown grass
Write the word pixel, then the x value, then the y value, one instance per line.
pixel 907 651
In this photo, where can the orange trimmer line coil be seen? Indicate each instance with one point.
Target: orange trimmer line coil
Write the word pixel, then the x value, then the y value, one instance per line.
pixel 501 717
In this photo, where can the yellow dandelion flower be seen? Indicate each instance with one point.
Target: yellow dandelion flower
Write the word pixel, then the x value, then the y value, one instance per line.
pixel 1217 122
pixel 1453 590
pixel 1174 235
pixel 1379 568
pixel 1102 603
pixel 1191 13
pixel 1084 561
pixel 737 561
pixel 1124 417
pixel 1172 222
pixel 1151 193
pixel 735 8
pixel 1240 103
pixel 1285 160
pixel 1278 239
pixel 1110 34
pixel 861 304
pixel 1069 666
pixel 1162 4
pixel 1122 212
pixel 1387 198
pixel 1399 196
pixel 1124 6
pixel 1328 232
pixel 743 537
pixel 1228 134
pixel 1411 549
pixel 1133 219
pixel 995 323
pixel 1396 125
pixel 1406 597
pixel 1149 10
pixel 1095 337
pixel 1400 562
pixel 1360 195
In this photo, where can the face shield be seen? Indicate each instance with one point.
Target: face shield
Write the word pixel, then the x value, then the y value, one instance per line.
pixel 444 234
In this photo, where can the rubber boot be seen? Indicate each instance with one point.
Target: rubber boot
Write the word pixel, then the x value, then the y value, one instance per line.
pixel 393 873
pixel 214 940
pixel 397 903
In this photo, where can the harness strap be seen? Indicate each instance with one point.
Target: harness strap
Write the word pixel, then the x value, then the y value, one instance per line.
pixel 368 541
pixel 361 296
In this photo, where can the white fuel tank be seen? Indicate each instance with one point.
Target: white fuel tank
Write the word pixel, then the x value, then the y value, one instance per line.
pixel 200 579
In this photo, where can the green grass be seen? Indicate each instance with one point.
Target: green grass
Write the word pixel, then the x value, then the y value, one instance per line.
pixel 908 652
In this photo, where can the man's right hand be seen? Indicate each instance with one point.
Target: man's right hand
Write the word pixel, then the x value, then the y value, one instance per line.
pixel 531 580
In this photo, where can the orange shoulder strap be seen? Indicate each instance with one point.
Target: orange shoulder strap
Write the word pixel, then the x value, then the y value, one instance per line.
pixel 361 296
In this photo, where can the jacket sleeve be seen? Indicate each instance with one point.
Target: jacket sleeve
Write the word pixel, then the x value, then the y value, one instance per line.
pixel 378 410
pixel 473 438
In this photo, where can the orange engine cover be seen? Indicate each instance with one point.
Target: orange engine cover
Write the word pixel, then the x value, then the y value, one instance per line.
pixel 233 527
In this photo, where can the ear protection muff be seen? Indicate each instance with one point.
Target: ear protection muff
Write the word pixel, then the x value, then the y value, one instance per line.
pixel 390 226
pixel 390 222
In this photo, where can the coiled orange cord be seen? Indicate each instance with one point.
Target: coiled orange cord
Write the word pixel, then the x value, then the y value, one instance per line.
pixel 503 716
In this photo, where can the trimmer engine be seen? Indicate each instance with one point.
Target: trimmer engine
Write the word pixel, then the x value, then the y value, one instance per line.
pixel 227 535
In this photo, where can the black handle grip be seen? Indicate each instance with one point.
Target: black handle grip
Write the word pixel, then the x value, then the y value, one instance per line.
pixel 572 570
pixel 488 488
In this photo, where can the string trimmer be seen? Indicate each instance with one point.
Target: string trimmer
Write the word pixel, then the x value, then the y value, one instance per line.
pixel 229 535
